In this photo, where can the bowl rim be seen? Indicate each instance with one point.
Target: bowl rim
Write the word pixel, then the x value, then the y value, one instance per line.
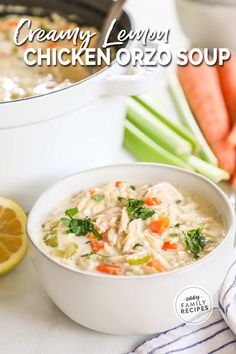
pixel 193 265
pixel 216 3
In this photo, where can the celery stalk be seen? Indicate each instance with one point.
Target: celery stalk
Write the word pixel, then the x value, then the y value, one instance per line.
pixel 212 172
pixel 156 130
pixel 188 118
pixel 146 150
pixel 150 104
pixel 138 260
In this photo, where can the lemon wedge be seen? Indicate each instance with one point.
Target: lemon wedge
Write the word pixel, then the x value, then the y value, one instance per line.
pixel 13 240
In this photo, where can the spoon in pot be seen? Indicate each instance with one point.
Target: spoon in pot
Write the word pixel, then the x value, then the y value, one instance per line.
pixel 114 13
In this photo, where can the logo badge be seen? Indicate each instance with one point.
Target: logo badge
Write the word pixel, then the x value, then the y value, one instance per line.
pixel 193 305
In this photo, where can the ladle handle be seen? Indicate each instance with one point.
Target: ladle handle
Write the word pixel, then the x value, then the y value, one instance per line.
pixel 114 13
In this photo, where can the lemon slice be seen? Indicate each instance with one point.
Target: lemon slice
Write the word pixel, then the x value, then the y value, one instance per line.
pixel 13 241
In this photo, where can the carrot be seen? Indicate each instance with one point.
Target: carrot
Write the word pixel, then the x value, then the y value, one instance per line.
pixel 110 269
pixel 169 246
pixel 226 154
pixel 118 183
pixel 12 22
pixel 157 265
pixel 92 191
pixel 158 226
pixel 25 45
pixel 151 201
pixel 95 244
pixel 201 85
pixel 52 44
pixel 232 136
pixel 105 237
pixel 233 181
pixel 227 75
pixel 156 200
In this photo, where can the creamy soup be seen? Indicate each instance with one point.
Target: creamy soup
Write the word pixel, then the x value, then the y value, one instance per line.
pixel 17 80
pixel 121 228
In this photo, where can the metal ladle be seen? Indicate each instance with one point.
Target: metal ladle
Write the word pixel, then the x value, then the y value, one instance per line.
pixel 114 13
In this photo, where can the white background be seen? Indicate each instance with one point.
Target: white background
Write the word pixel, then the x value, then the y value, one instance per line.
pixel 29 322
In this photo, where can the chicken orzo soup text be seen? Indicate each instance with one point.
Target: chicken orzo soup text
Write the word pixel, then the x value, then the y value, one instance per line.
pixel 122 228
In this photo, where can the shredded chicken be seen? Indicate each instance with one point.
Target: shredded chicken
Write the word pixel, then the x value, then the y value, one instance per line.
pixel 135 235
pixel 124 221
pixel 122 228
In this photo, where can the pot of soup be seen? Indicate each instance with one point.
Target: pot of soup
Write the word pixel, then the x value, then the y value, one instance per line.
pixel 58 120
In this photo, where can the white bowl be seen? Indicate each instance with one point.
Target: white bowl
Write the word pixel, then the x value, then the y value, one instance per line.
pixel 125 304
pixel 208 24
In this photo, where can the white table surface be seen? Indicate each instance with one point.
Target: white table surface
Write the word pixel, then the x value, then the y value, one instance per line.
pixel 29 322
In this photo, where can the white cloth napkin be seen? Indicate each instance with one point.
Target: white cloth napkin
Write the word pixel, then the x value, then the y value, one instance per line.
pixel 217 335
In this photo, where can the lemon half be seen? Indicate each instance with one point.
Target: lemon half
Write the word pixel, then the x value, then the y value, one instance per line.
pixel 13 240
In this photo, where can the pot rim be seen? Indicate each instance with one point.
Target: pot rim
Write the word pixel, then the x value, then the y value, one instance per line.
pixel 167 274
pixel 104 70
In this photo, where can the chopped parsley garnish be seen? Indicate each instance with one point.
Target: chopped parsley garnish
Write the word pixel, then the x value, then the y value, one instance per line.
pixel 132 187
pixel 92 253
pixel 174 234
pixel 88 254
pixel 137 245
pixel 195 241
pixel 46 29
pixel 66 221
pixel 136 210
pixel 79 227
pixel 98 197
pixel 143 213
pixel 71 212
pixel 121 199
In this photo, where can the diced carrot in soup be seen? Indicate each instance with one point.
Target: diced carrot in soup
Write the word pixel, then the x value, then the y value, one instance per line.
pixel 12 22
pixel 151 201
pixel 169 246
pixel 158 226
pixel 92 192
pixel 95 244
pixel 110 269
pixel 105 236
pixel 157 265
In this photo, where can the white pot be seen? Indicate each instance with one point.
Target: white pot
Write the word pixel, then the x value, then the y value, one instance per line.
pixel 209 24
pixel 124 304
pixel 44 138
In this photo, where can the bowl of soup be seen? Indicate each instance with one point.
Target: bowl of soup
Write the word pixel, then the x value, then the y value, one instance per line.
pixel 130 236
pixel 58 119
